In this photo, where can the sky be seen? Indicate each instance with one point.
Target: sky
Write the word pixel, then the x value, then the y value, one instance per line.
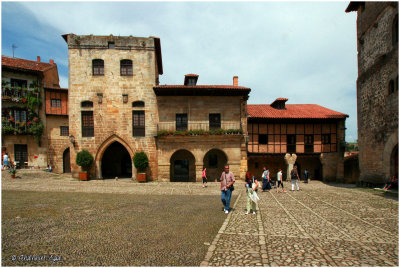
pixel 303 51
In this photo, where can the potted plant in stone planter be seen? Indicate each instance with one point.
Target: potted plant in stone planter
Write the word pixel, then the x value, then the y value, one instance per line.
pixel 13 171
pixel 141 162
pixel 85 160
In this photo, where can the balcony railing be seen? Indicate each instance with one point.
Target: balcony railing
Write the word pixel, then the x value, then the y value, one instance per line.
pixel 171 126
pixel 17 93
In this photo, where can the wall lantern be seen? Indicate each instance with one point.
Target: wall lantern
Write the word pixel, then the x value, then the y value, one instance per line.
pixel 100 97
pixel 72 139
pixel 125 98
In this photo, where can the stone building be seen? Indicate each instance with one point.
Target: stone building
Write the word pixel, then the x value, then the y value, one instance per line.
pixel 25 127
pixel 377 89
pixel 307 135
pixel 201 126
pixel 112 106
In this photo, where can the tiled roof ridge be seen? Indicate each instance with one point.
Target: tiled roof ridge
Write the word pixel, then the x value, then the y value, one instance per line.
pixel 20 63
pixel 201 86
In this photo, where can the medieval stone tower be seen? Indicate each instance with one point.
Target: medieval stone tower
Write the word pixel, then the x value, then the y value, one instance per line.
pixel 377 89
pixel 112 105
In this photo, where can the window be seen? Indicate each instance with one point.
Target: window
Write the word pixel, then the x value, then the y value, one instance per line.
pixel 55 103
pixel 326 138
pixel 215 121
pixel 20 154
pixel 19 116
pixel 138 124
pixel 98 67
pixel 262 139
pixel 126 68
pixel 395 32
pixel 87 124
pixel 291 143
pixel 393 85
pixel 111 45
pixel 138 104
pixel 191 81
pixel 19 83
pixel 309 143
pixel 86 104
pixel 181 122
pixel 64 131
pixel 213 161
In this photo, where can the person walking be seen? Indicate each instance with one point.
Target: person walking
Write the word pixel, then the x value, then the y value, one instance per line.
pixel 294 175
pixel 265 180
pixel 204 177
pixel 5 161
pixel 227 181
pixel 251 186
pixel 306 174
pixel 280 181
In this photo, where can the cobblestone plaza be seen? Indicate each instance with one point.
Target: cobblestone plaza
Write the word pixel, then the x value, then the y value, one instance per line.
pixel 320 225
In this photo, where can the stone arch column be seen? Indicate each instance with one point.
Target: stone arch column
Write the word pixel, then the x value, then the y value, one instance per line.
pixel 387 152
pixel 290 160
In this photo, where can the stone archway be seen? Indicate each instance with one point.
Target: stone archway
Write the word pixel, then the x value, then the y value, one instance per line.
pixel 214 160
pixel 388 154
pixel 102 149
pixel 66 161
pixel 116 162
pixel 182 167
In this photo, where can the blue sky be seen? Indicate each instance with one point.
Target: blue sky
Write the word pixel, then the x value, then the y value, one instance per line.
pixel 304 51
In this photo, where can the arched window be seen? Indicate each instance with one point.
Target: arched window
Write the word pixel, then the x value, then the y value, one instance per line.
pixel 98 67
pixel 138 104
pixel 126 68
pixel 86 104
pixel 395 31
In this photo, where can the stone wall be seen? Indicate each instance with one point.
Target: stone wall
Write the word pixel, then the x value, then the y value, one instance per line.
pixel 57 144
pixel 112 117
pixel 377 106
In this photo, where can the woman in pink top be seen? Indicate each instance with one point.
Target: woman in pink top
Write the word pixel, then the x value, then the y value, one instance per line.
pixel 204 178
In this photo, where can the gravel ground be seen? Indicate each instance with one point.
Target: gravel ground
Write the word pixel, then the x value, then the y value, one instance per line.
pixel 106 223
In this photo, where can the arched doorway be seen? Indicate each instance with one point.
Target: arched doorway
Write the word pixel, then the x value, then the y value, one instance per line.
pixel 214 161
pixel 66 161
pixel 116 162
pixel 182 167
pixel 394 162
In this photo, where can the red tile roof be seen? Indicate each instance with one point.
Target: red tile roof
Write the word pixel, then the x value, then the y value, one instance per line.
pixel 201 87
pixel 22 64
pixel 292 111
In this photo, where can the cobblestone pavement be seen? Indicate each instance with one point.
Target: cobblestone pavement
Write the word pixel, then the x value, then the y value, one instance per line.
pixel 320 225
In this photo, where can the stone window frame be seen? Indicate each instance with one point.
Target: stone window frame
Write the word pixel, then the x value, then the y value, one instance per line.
pixel 87 104
pixel 137 104
pixel 393 85
pixel 64 131
pixel 395 31
pixel 138 123
pixel 87 124
pixel 98 67
pixel 126 67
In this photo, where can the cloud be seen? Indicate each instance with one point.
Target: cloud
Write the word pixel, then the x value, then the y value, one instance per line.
pixel 305 51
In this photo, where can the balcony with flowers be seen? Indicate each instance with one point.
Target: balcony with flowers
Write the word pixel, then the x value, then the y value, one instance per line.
pixel 14 94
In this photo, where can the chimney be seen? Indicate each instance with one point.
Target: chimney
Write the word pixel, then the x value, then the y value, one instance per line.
pixel 235 81
pixel 51 61
pixel 38 58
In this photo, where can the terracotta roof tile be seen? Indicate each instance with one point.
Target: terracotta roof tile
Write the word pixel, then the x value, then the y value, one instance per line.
pixel 201 87
pixel 23 64
pixel 292 111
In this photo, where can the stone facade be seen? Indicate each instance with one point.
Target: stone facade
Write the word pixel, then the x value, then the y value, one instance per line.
pixel 33 74
pixel 377 89
pixel 112 95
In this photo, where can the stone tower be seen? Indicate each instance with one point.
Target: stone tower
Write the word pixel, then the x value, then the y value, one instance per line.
pixel 112 106
pixel 377 89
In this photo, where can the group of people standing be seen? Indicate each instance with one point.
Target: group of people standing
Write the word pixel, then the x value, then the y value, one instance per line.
pixel 251 183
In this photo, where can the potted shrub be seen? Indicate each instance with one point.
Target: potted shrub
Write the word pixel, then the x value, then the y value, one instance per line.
pixel 13 171
pixel 84 159
pixel 141 162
